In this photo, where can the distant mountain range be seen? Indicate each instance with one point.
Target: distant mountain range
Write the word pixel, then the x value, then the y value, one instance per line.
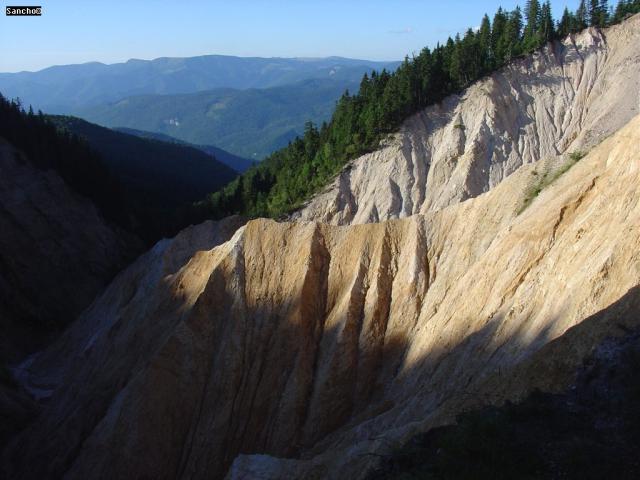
pixel 247 106
pixel 60 89
pixel 250 123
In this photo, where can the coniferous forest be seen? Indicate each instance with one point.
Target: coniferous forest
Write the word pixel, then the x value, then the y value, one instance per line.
pixel 143 185
pixel 49 148
pixel 285 179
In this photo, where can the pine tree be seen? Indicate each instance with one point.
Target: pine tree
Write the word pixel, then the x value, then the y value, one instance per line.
pixel 581 16
pixel 566 23
pixel 624 8
pixel 498 35
pixel 484 40
pixel 513 34
pixel 604 12
pixel 471 58
pixel 455 65
pixel 547 31
pixel 620 11
pixel 598 13
pixel 594 9
pixel 532 13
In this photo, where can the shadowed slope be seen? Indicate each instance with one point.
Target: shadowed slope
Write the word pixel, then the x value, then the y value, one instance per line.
pixel 57 252
pixel 330 343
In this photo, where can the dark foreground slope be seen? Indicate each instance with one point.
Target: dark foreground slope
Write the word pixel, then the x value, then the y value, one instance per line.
pixel 63 236
pixel 591 431
pixel 63 230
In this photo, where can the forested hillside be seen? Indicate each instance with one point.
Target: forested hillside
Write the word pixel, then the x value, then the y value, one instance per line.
pixel 161 179
pixel 283 181
pixel 144 185
pixel 239 164
pixel 47 148
pixel 250 123
pixel 63 232
pixel 162 174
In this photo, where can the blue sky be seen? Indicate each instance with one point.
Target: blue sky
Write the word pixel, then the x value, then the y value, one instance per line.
pixel 114 31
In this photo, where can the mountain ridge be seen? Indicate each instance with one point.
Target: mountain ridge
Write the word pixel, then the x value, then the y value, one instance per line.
pixel 55 91
pixel 165 58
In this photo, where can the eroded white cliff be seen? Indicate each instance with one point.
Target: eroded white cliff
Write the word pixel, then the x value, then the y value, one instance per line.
pixel 566 98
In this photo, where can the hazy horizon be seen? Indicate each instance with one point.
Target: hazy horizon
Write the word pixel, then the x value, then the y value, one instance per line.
pixel 205 55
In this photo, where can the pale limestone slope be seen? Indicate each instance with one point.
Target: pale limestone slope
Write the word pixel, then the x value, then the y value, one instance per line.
pixel 328 343
pixel 566 98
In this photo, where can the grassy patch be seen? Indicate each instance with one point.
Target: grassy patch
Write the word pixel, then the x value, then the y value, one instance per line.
pixel 542 181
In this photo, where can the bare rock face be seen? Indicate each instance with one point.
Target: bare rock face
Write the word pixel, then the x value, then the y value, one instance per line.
pixel 566 98
pixel 302 350
pixel 56 253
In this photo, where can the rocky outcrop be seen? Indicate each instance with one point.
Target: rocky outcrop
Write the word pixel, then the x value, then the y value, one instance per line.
pixel 565 98
pixel 304 350
pixel 56 254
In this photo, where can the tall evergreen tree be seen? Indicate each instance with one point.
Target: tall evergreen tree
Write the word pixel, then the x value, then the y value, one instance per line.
pixel 624 8
pixel 604 12
pixel 565 26
pixel 512 34
pixel 620 11
pixel 497 36
pixel 594 12
pixel 455 64
pixel 581 16
pixel 547 31
pixel 471 58
pixel 598 13
pixel 484 40
pixel 532 14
